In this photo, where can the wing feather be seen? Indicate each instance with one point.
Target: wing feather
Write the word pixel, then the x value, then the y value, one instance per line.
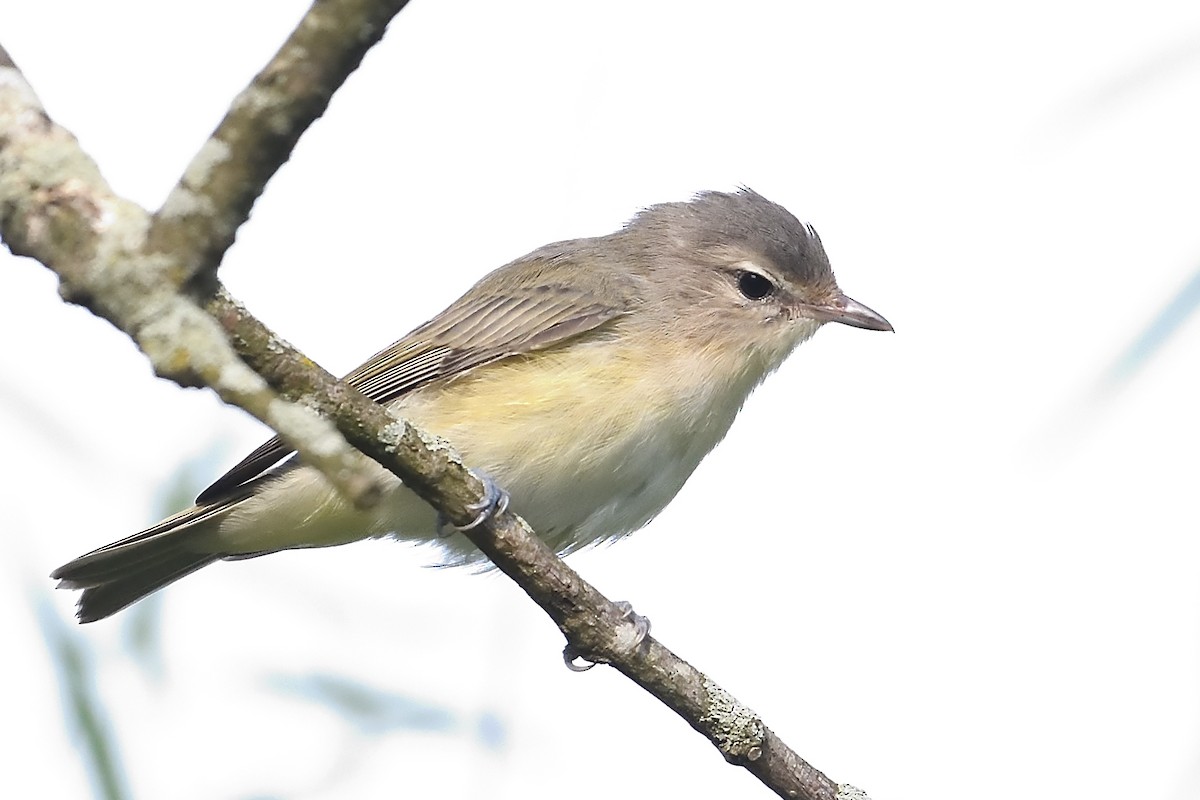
pixel 481 327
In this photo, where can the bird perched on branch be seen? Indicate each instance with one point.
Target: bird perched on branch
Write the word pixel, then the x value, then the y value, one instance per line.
pixel 586 379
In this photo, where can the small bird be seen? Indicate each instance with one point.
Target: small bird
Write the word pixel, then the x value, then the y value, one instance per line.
pixel 588 379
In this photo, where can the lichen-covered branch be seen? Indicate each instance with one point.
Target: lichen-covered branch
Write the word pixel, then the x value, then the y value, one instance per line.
pixel 424 462
pixel 202 213
pixel 55 207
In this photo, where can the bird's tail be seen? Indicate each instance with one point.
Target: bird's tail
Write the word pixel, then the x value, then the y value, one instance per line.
pixel 120 574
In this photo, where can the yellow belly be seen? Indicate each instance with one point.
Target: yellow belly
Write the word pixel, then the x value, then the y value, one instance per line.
pixel 590 441
pixel 589 444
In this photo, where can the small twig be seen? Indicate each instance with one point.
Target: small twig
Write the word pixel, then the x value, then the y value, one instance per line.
pixel 197 222
pixel 601 631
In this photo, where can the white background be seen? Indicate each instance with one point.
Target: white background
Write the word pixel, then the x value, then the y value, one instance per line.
pixel 952 562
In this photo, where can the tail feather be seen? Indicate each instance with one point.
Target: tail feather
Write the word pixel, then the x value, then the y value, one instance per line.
pixel 118 575
pixel 105 599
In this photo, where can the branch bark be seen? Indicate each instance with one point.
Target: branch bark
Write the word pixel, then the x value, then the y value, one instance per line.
pixel 200 216
pixel 154 278
pixel 56 207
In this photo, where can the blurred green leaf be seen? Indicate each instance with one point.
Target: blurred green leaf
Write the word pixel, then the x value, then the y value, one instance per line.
pixel 85 715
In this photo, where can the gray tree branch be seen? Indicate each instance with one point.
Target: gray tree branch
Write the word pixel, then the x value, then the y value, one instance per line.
pixel 200 216
pixel 137 272
pixel 56 207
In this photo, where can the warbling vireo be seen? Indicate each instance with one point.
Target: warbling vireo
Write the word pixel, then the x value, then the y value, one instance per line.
pixel 588 379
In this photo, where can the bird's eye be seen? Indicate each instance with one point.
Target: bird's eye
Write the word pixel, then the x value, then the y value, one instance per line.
pixel 754 286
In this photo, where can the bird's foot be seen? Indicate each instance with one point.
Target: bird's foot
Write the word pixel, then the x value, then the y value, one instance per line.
pixel 635 634
pixel 495 501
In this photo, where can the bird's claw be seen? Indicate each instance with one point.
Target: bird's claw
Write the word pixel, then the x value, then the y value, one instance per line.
pixel 495 501
pixel 572 658
pixel 641 629
pixel 641 625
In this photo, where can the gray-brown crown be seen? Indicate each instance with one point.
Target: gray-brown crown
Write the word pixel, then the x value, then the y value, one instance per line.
pixel 739 221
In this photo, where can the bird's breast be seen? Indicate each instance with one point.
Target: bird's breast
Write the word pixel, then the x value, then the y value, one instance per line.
pixel 592 441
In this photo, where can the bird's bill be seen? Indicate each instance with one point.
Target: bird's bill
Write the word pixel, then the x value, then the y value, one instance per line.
pixel 848 312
